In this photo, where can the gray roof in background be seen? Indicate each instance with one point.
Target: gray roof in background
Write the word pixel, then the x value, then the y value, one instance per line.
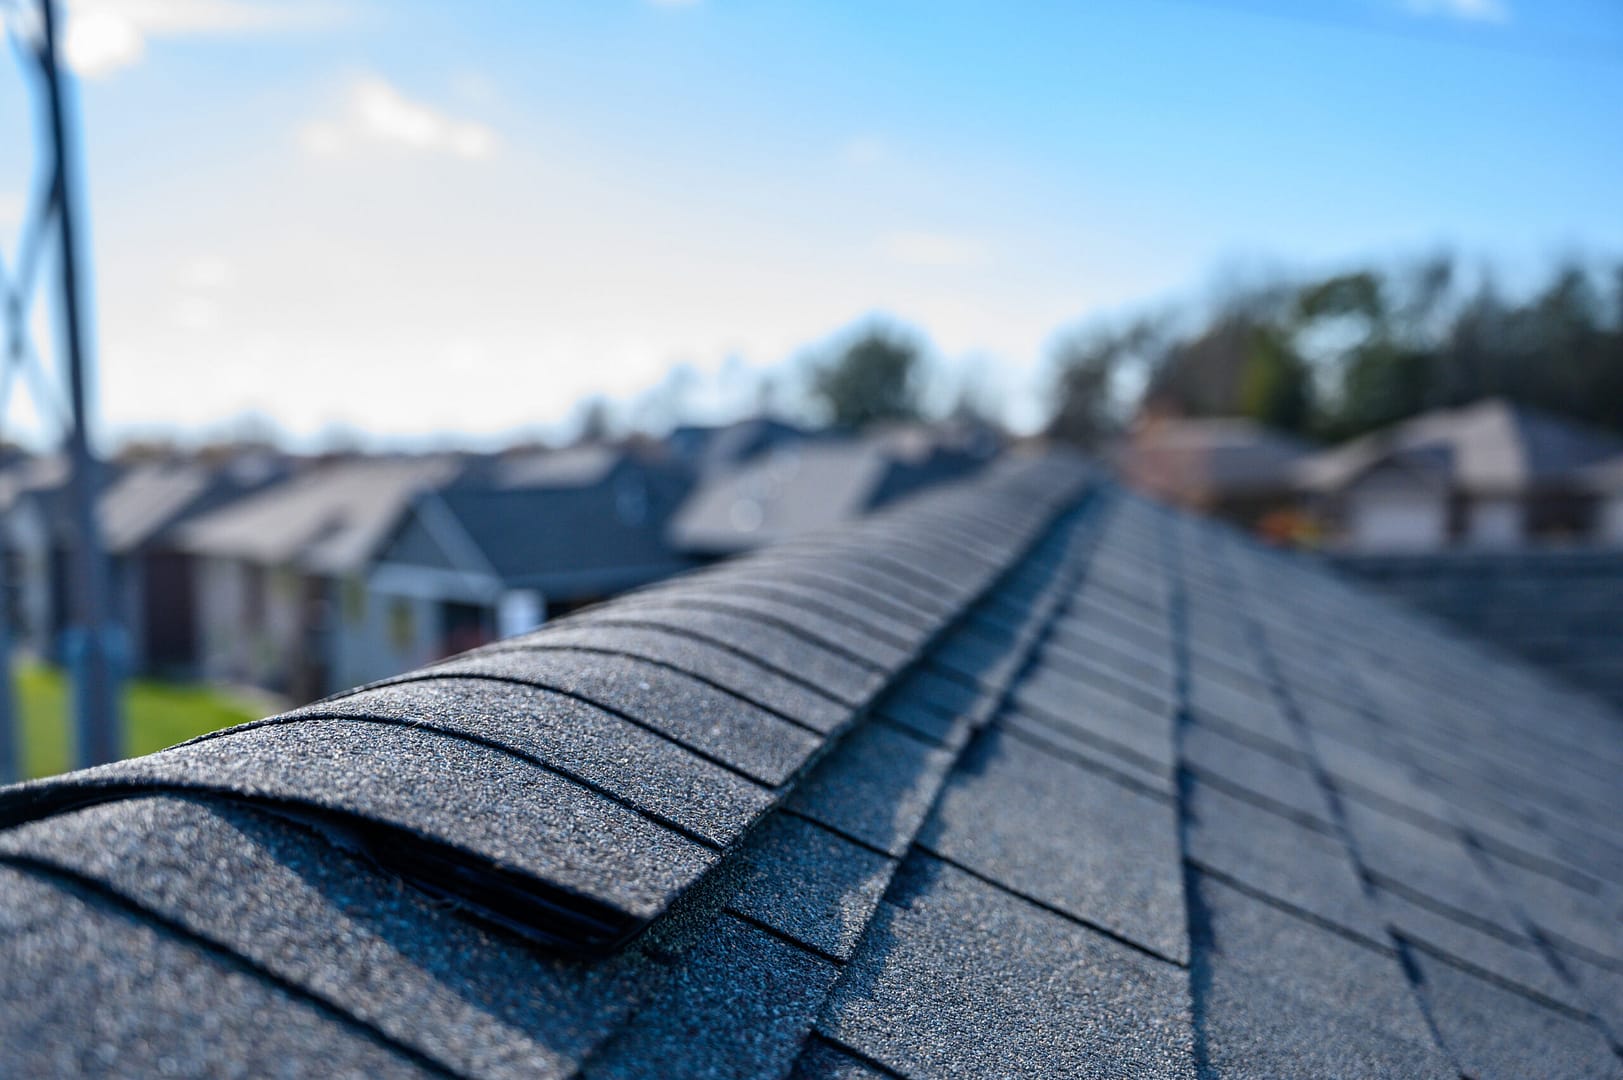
pixel 1213 457
pixel 562 533
pixel 1020 777
pixel 798 488
pixel 1491 447
pixel 576 466
pixel 327 520
pixel 712 449
pixel 146 499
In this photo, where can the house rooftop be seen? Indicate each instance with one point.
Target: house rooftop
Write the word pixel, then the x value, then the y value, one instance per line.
pixel 1491 447
pixel 326 520
pixel 1020 776
pixel 799 487
pixel 1210 458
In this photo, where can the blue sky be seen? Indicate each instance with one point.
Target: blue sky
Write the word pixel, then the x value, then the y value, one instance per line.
pixel 425 218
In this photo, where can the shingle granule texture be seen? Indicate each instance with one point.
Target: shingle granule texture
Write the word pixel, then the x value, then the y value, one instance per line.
pixel 1020 777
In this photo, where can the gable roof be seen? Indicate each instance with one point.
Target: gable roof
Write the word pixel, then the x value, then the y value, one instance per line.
pixel 1491 447
pixel 327 520
pixel 568 540
pixel 1020 777
pixel 800 487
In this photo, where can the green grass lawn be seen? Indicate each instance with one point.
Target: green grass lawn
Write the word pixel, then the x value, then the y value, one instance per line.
pixel 156 715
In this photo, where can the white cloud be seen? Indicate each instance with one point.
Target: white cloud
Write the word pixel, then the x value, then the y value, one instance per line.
pixel 928 249
pixel 376 112
pixel 104 36
pixel 1496 11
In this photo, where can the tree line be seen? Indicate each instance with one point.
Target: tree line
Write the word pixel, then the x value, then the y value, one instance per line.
pixel 1332 357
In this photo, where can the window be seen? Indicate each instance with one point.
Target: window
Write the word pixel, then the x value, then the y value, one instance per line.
pixel 402 624
pixel 354 600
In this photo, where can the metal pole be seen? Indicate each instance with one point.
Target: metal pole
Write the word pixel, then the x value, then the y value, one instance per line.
pixel 96 697
pixel 10 767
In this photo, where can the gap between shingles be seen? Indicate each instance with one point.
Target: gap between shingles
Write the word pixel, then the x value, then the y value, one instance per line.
pixel 1257 636
pixel 738 611
pixel 1198 924
pixel 768 591
pixel 842 1047
pixel 432 728
pixel 1082 761
pixel 725 646
pixel 1087 924
pixel 76 882
pixel 537 682
pixel 503 648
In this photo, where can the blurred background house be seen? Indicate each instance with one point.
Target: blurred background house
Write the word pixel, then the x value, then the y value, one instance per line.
pixel 275 569
pixel 1489 475
pixel 514 541
pixel 1228 467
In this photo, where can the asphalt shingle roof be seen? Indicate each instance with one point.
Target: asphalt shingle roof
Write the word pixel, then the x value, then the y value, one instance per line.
pixel 1023 777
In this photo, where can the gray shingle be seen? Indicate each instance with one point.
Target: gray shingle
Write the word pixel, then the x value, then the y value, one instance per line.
pixel 1277 995
pixel 722 726
pixel 640 767
pixel 844 678
pixel 1066 837
pixel 1218 759
pixel 468 999
pixel 1494 1032
pixel 738 674
pixel 91 991
pixel 876 786
pixel 1294 864
pixel 527 835
pixel 957 976
pixel 739 1005
pixel 809 883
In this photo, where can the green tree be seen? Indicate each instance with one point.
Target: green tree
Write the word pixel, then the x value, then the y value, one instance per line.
pixel 1089 368
pixel 1276 388
pixel 873 378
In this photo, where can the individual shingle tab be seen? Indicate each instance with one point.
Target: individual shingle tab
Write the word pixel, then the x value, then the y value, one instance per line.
pixel 1276 995
pixel 641 768
pixel 531 847
pixel 1276 779
pixel 1495 1032
pixel 849 680
pixel 809 883
pixel 833 629
pixel 1067 837
pixel 91 990
pixel 740 1005
pixel 876 787
pixel 467 998
pixel 1296 865
pixel 722 726
pixel 956 976
pixel 738 674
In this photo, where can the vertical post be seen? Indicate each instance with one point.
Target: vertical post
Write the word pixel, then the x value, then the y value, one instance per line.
pixel 91 650
pixel 10 766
